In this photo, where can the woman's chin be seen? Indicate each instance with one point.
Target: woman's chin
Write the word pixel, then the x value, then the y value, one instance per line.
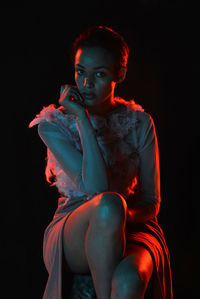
pixel 91 103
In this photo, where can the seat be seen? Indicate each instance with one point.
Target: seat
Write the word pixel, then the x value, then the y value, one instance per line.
pixel 80 286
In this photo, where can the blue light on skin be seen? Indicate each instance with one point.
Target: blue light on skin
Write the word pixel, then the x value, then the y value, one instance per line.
pixel 94 76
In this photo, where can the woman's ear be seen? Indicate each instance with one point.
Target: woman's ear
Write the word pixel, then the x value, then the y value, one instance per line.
pixel 121 75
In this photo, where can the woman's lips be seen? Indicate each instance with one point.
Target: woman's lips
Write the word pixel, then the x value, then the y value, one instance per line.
pixel 88 95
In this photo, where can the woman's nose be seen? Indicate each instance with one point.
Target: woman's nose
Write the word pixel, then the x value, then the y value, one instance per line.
pixel 88 82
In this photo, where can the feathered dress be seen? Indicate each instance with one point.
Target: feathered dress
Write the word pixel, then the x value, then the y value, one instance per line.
pixel 128 141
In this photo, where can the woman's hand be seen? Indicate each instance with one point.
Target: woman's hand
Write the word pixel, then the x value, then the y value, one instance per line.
pixel 72 101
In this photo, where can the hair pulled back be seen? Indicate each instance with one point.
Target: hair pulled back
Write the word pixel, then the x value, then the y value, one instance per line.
pixel 107 38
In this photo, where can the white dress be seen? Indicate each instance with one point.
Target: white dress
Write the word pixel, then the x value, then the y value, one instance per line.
pixel 128 141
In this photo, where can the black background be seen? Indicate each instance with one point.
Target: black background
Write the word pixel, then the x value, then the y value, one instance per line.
pixel 163 76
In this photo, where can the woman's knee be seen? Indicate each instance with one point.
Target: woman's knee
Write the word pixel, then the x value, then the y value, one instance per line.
pixel 128 281
pixel 110 210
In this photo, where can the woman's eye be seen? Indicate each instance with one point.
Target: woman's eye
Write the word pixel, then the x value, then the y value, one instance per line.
pixel 80 72
pixel 100 74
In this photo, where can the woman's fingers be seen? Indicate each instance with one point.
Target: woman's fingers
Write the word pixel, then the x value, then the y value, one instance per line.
pixel 70 91
pixel 72 100
pixel 65 91
pixel 74 96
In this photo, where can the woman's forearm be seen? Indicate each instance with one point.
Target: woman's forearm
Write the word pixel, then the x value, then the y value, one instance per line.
pixel 94 170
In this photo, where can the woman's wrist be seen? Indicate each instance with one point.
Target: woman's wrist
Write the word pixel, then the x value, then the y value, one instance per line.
pixel 83 116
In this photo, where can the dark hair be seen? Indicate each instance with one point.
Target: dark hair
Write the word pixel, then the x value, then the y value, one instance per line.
pixel 107 38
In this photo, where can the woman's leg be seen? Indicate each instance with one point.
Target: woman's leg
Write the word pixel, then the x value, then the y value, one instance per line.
pixel 105 241
pixel 132 275
pixel 94 239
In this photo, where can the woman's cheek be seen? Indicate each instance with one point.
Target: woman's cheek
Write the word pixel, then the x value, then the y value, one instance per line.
pixel 106 88
pixel 78 82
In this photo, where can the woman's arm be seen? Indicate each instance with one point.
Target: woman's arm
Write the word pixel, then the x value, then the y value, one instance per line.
pixel 94 170
pixel 87 171
pixel 148 200
pixel 65 153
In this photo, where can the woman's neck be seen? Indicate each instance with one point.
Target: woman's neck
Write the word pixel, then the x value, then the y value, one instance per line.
pixel 103 108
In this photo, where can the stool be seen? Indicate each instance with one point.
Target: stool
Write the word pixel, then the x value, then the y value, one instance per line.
pixel 78 286
pixel 82 287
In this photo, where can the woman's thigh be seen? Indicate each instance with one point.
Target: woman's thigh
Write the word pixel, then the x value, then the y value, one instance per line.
pixel 77 224
pixel 74 236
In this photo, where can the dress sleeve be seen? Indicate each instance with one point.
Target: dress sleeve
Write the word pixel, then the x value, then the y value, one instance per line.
pixel 149 165
pixel 56 125
pixel 57 119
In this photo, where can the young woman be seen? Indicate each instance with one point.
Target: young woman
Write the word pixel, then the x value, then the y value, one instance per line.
pixel 103 155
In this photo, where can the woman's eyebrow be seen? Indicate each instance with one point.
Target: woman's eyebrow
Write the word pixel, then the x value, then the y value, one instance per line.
pixel 95 68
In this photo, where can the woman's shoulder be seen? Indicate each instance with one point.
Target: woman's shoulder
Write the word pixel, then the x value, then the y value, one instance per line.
pixel 136 111
pixel 44 115
pixel 51 115
pixel 45 128
pixel 144 117
pixel 53 123
pixel 140 119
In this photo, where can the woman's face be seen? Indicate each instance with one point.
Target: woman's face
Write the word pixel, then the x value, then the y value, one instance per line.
pixel 94 75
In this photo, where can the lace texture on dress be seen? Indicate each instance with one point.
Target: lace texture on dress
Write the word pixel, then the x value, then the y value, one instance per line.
pixel 116 135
